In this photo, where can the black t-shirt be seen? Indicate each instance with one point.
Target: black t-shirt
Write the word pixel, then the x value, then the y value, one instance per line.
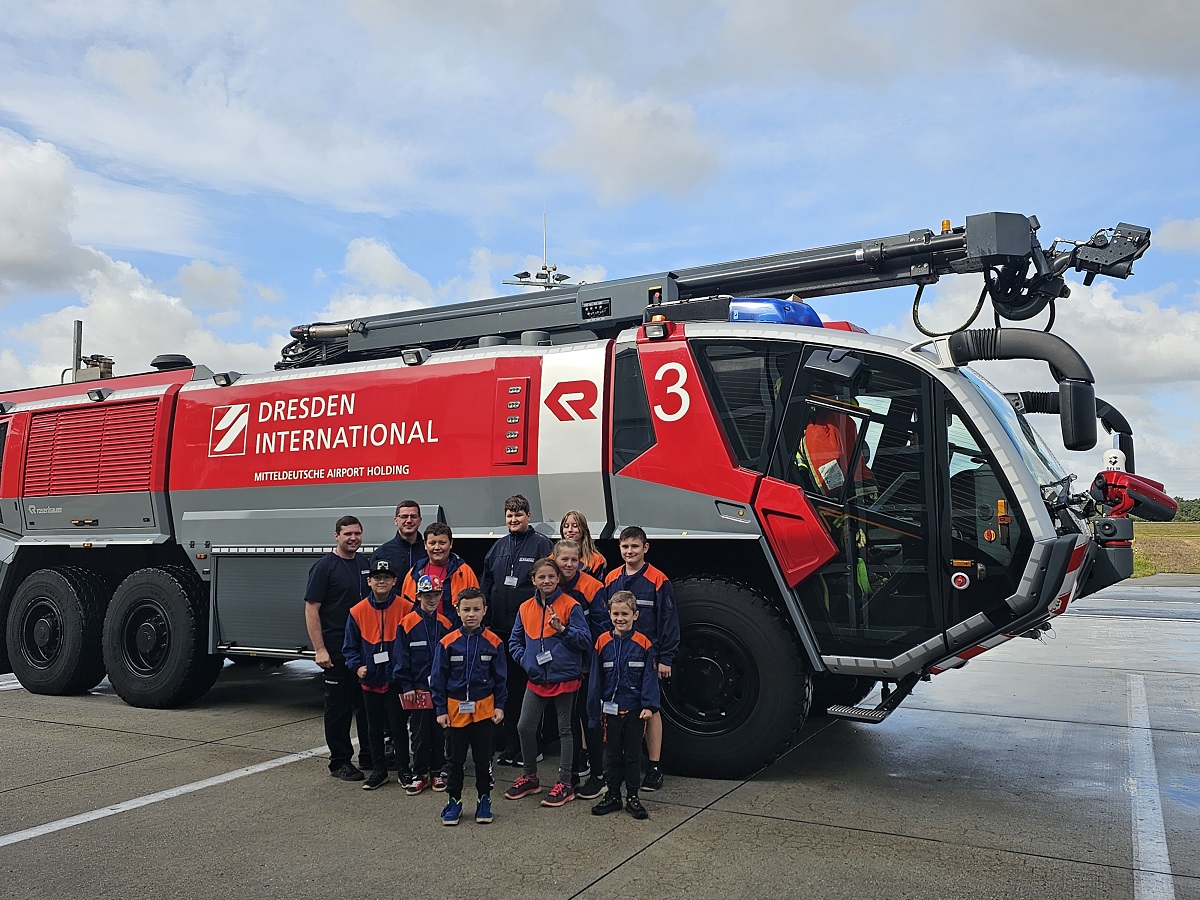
pixel 336 584
pixel 402 555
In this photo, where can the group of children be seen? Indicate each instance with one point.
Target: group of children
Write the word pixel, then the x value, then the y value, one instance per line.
pixel 435 654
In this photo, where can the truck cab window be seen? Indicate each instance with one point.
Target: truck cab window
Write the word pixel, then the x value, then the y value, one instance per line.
pixel 859 452
pixel 633 429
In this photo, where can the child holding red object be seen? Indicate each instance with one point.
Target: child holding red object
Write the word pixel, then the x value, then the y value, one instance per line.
pixel 416 639
pixel 549 641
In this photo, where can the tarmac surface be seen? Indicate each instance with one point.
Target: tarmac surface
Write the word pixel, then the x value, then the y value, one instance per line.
pixel 1064 770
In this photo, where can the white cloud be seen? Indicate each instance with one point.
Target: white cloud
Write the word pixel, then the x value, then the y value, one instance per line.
pixel 1142 352
pixel 125 315
pixel 372 263
pixel 115 216
pixel 207 286
pixel 624 149
pixel 1179 234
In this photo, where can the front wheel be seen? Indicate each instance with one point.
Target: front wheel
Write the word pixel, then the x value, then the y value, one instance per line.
pixel 156 639
pixel 739 689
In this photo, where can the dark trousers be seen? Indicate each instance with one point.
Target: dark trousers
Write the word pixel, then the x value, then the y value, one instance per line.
pixel 384 714
pixel 517 679
pixel 344 703
pixel 623 752
pixel 429 742
pixel 478 737
pixel 594 736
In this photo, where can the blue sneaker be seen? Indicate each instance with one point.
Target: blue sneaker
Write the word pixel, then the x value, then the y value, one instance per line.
pixel 451 812
pixel 483 810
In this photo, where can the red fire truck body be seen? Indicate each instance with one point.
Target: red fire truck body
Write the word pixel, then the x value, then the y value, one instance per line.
pixel 152 525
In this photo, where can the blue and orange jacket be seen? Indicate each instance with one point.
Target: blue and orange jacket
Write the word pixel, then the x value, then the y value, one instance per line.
pixel 371 629
pixel 458 576
pixel 623 670
pixel 658 619
pixel 596 566
pixel 583 590
pixel 469 667
pixel 533 634
pixel 416 641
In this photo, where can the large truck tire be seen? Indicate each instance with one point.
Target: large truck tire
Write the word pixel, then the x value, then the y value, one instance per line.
pixel 156 639
pixel 839 690
pixel 739 689
pixel 53 631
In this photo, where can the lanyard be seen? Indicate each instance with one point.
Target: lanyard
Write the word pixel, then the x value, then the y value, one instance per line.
pixel 470 663
pixel 429 630
pixel 352 564
pixel 514 550
pixel 617 673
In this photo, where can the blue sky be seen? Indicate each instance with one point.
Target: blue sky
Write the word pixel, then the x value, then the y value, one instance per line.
pixel 197 178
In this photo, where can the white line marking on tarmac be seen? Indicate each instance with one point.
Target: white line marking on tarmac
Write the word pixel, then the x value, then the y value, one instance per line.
pixel 1152 879
pixel 83 818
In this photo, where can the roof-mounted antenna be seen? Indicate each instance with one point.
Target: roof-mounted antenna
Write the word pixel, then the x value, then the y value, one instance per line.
pixel 549 276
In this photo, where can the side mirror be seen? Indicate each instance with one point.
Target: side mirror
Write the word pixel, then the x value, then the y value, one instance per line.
pixel 1077 414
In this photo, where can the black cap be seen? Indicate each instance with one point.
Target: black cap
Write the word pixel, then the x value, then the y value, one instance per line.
pixel 382 567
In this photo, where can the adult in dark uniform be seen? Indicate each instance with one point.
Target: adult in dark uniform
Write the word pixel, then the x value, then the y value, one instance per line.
pixel 336 582
pixel 407 548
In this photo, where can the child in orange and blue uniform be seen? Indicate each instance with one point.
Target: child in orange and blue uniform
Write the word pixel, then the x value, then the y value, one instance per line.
pixel 589 759
pixel 658 619
pixel 549 641
pixel 443 564
pixel 623 694
pixel 368 648
pixel 468 682
pixel 416 640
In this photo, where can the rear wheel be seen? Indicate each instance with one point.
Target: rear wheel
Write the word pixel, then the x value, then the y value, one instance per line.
pixel 156 638
pixel 739 689
pixel 53 631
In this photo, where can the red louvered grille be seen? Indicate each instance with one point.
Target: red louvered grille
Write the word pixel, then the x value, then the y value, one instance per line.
pixel 93 450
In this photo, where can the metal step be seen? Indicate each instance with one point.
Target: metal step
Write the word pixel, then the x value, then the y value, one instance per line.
pixel 859 713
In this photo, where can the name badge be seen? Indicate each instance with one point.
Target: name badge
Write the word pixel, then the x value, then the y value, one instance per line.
pixel 466 706
pixel 609 708
pixel 485 657
pixel 510 581
pixel 365 572
pixel 609 664
pixel 419 644
pixel 637 664
pixel 544 657
pixel 456 659
pixel 642 602
pixel 381 657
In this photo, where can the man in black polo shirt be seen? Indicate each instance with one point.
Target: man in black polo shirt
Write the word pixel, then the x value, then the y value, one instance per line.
pixel 336 582
pixel 407 548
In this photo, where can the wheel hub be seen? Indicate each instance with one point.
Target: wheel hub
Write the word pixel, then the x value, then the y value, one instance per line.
pixel 703 679
pixel 715 682
pixel 41 633
pixel 45 634
pixel 147 637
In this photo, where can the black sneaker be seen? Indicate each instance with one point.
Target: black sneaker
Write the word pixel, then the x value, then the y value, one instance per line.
pixel 508 759
pixel 591 789
pixel 347 772
pixel 634 807
pixel 653 780
pixel 376 780
pixel 610 804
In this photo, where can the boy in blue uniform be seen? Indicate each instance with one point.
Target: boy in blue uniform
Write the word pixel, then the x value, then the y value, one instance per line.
pixel 367 648
pixel 468 685
pixel 506 584
pixel 623 694
pixel 658 619
pixel 416 640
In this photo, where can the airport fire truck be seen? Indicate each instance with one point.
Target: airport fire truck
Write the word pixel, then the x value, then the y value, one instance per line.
pixel 837 510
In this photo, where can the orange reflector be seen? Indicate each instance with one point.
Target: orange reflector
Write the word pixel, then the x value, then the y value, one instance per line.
pixel 961 563
pixel 658 318
pixel 1001 507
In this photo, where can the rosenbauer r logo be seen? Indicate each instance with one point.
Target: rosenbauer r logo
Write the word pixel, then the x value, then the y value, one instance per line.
pixel 229 429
